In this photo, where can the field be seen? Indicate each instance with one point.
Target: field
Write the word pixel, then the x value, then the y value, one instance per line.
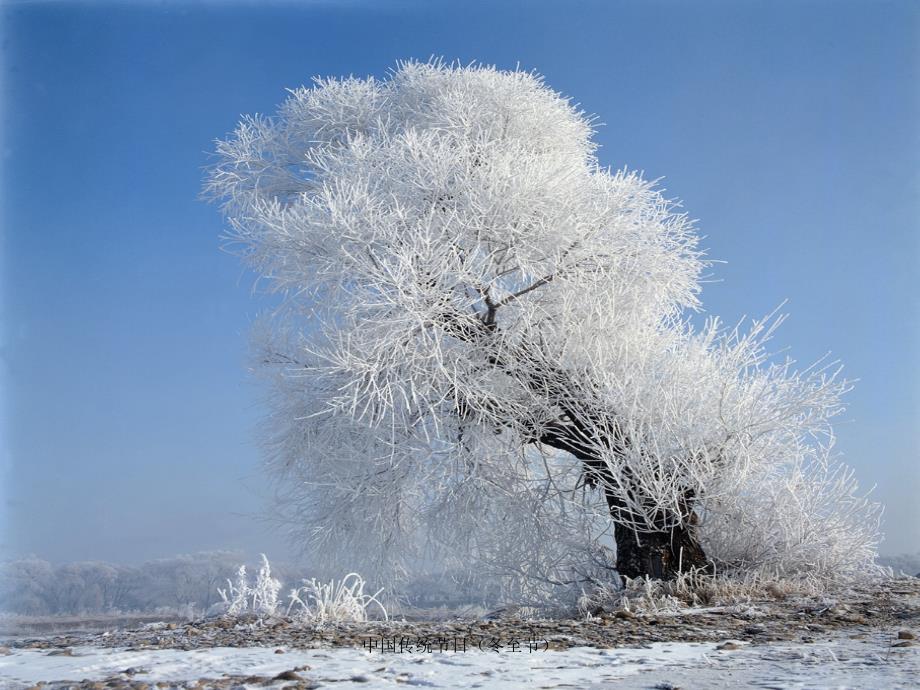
pixel 861 638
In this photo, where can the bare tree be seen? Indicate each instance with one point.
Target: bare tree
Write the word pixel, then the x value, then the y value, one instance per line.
pixel 483 348
pixel 26 587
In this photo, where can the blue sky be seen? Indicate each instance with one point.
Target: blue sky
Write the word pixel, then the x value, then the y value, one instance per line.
pixel 789 129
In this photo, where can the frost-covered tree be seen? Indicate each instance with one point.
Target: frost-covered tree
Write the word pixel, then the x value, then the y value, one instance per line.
pixel 483 353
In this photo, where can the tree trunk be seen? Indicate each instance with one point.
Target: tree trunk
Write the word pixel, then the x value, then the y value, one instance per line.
pixel 660 555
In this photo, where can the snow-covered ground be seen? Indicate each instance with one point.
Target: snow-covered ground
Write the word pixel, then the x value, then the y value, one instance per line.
pixel 840 663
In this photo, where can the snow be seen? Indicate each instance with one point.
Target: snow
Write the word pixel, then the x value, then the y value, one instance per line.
pixel 449 669
pixel 839 663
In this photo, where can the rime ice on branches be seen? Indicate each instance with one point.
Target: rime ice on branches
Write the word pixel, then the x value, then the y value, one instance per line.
pixel 482 354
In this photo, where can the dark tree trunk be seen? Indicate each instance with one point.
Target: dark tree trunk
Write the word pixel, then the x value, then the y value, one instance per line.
pixel 661 554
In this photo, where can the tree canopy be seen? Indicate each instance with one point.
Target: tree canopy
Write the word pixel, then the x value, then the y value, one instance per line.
pixel 483 355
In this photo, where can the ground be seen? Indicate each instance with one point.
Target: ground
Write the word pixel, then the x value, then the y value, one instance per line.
pixel 861 638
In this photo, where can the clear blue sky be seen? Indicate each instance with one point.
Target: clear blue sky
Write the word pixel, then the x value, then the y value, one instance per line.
pixel 789 129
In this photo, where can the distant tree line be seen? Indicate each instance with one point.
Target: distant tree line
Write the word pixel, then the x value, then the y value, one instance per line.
pixel 906 563
pixel 186 584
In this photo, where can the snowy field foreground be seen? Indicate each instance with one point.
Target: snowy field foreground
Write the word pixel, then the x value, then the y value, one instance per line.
pixel 861 637
pixel 839 663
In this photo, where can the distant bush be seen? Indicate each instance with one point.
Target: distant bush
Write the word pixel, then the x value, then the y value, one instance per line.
pixel 906 563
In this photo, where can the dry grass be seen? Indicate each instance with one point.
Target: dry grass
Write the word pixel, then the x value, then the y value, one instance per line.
pixel 318 603
pixel 696 589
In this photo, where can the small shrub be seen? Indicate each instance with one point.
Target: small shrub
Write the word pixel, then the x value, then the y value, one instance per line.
pixel 260 598
pixel 345 601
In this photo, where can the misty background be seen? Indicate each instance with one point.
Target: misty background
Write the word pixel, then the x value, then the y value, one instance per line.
pixel 788 129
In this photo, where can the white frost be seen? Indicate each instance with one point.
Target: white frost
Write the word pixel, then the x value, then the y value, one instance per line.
pixel 470 300
pixel 837 663
pixel 448 669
